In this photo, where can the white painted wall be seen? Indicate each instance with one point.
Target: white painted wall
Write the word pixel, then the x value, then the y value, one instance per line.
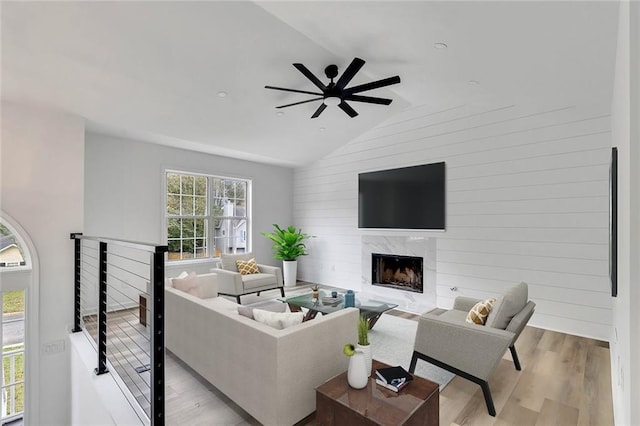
pixel 625 342
pixel 124 191
pixel 527 200
pixel 42 172
pixel 97 400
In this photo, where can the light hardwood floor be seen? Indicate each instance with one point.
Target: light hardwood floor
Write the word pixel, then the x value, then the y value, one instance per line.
pixel 565 380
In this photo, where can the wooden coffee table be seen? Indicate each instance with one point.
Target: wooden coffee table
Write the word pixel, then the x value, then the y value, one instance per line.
pixel 339 404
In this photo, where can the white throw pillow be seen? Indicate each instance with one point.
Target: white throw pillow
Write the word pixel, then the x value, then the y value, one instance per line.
pixel 188 284
pixel 169 281
pixel 279 320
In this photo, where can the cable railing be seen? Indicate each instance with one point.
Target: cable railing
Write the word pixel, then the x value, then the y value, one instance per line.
pixel 119 303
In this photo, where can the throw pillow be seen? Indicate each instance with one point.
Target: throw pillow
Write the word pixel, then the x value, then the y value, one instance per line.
pixel 276 319
pixel 228 261
pixel 480 311
pixel 169 281
pixel 247 267
pixel 247 311
pixel 188 284
pixel 508 306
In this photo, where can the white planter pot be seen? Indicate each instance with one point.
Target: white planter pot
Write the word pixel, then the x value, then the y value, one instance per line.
pixel 289 270
pixel 366 351
pixel 357 371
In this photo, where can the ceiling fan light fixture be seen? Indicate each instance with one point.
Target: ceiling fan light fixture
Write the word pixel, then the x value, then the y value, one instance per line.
pixel 332 101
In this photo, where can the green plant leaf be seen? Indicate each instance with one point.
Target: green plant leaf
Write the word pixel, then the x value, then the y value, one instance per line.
pixel 287 243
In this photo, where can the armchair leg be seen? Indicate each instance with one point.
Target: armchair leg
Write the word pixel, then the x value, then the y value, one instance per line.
pixel 238 300
pixel 282 291
pixel 487 398
pixel 514 355
pixel 484 385
pixel 414 361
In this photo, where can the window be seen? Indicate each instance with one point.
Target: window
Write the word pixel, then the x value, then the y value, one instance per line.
pixel 16 277
pixel 206 215
pixel 10 250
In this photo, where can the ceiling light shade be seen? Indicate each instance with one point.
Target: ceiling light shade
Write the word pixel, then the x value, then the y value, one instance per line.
pixel 332 101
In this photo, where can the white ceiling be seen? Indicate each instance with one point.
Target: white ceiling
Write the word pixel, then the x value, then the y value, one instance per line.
pixel 152 70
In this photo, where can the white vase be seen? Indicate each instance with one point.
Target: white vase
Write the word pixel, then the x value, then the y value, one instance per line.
pixel 366 350
pixel 357 372
pixel 290 270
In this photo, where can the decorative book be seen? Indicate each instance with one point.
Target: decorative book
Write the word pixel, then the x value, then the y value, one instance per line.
pixel 396 385
pixel 331 301
pixel 390 375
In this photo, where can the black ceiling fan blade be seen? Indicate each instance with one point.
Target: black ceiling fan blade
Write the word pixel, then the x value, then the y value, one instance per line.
pixel 293 90
pixel 348 74
pixel 301 102
pixel 373 85
pixel 304 70
pixel 319 110
pixel 347 108
pixel 368 99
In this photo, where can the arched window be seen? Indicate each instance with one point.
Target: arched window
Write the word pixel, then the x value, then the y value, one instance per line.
pixel 18 291
pixel 11 252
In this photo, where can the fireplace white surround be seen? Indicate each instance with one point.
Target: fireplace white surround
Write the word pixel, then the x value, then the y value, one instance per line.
pixel 424 247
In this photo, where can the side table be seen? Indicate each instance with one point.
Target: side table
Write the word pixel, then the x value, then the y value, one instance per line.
pixel 339 404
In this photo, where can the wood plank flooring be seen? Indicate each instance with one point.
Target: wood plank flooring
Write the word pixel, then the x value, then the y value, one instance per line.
pixel 565 380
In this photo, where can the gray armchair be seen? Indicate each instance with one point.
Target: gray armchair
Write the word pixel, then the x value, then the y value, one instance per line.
pixel 233 283
pixel 473 351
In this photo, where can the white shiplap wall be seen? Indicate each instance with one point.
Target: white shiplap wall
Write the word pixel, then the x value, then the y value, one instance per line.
pixel 527 200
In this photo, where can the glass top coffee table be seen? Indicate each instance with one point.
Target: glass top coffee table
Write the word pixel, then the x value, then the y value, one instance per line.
pixel 369 308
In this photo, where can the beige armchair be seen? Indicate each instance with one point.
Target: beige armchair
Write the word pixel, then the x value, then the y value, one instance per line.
pixel 469 350
pixel 233 283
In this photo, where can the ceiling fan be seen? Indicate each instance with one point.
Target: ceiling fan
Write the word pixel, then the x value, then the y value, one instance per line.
pixel 337 93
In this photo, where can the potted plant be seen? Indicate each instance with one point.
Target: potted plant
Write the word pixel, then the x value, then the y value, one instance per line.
pixel 288 245
pixel 363 341
pixel 315 291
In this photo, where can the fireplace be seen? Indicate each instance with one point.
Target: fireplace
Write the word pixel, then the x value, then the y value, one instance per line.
pixel 399 272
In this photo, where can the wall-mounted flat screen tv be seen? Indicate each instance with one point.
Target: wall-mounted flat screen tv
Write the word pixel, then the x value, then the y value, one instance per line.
pixel 404 198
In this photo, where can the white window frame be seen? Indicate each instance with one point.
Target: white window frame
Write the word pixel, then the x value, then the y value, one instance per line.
pixel 210 217
pixel 26 279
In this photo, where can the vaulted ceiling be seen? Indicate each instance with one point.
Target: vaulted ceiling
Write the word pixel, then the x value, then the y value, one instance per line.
pixel 154 70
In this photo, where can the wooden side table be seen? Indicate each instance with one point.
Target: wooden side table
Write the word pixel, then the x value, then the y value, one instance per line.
pixel 339 404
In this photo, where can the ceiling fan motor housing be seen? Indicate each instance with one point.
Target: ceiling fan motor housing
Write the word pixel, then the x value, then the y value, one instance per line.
pixel 331 71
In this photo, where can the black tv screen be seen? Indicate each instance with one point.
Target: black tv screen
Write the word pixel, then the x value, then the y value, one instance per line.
pixel 404 198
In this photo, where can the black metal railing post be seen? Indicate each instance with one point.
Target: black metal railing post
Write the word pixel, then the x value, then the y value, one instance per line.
pixel 157 337
pixel 102 311
pixel 77 271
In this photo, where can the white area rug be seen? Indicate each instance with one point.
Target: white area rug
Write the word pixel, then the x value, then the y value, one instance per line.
pixel 391 338
pixel 391 342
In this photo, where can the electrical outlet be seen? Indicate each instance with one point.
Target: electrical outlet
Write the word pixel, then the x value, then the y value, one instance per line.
pixel 51 348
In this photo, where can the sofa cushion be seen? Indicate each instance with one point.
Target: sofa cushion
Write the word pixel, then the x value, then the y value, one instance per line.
pixel 254 281
pixel 228 261
pixel 507 306
pixel 247 267
pixel 247 311
pixel 480 311
pixel 188 284
pixel 278 320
